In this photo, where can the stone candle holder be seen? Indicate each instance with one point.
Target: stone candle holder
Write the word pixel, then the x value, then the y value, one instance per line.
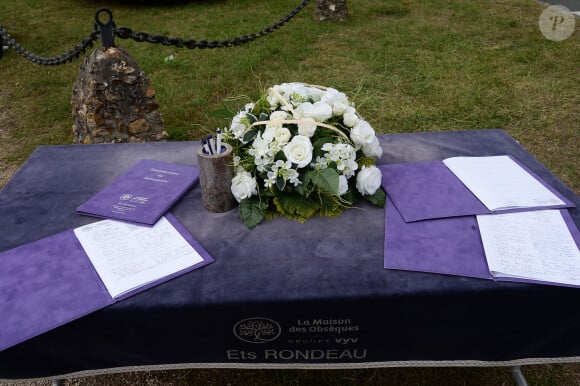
pixel 216 173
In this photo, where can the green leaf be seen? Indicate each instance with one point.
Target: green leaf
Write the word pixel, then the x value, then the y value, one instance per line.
pixel 280 183
pixel 250 135
pixel 252 118
pixel 223 113
pixel 251 212
pixel 326 179
pixel 263 117
pixel 301 188
pixel 280 156
pixel 317 146
pixel 378 198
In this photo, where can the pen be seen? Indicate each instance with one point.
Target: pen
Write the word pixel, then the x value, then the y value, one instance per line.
pixel 208 140
pixel 205 146
pixel 218 145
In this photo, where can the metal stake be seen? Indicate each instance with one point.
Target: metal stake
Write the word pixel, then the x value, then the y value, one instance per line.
pixel 107 38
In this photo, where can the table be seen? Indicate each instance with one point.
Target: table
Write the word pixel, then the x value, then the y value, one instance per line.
pixel 312 295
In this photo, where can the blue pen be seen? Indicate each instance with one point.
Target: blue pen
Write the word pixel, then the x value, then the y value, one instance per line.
pixel 205 147
pixel 208 140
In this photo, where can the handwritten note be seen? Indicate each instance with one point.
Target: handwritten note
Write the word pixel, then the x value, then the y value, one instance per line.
pixel 500 183
pixel 533 245
pixel 128 256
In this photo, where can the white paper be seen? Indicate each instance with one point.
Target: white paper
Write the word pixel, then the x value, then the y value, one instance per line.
pixel 128 256
pixel 533 245
pixel 500 183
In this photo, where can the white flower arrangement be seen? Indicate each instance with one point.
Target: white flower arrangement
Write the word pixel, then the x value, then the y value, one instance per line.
pixel 301 151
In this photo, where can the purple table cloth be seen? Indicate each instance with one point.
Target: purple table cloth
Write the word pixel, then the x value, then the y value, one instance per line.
pixel 284 293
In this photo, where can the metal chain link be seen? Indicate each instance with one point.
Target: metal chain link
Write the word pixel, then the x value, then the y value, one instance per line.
pixel 55 60
pixel 127 33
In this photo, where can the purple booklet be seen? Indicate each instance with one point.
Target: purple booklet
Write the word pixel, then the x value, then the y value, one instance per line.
pixel 450 246
pixel 143 193
pixel 430 189
pixel 55 280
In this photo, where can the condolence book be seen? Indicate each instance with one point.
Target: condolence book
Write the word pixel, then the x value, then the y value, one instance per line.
pixel 462 186
pixel 535 246
pixel 143 193
pixel 52 281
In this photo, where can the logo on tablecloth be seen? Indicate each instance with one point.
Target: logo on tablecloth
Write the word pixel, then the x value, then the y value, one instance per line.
pixel 257 330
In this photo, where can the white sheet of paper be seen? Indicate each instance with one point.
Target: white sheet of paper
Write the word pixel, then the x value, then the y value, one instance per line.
pixel 128 256
pixel 532 245
pixel 500 183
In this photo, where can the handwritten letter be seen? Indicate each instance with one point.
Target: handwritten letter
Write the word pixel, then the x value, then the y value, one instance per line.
pixel 533 245
pixel 128 256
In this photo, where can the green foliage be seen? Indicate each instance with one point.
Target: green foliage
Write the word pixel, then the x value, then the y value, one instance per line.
pixel 378 199
pixel 365 161
pixel 411 66
pixel 252 211
pixel 223 114
pixel 325 179
pixel 330 206
pixel 295 206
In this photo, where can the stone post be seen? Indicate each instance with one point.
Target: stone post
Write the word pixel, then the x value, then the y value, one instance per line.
pixel 112 101
pixel 334 10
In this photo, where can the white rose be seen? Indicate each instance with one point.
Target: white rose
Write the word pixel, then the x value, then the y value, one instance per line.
pixel 342 185
pixel 282 135
pixel 307 127
pixel 362 133
pixel 237 128
pixel 374 149
pixel 368 180
pixel 350 119
pixel 278 115
pixel 300 111
pixel 299 151
pixel 339 108
pixel 243 185
pixel 321 111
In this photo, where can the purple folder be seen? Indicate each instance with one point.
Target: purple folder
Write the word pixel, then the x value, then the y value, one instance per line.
pixel 50 282
pixel 449 246
pixel 143 193
pixel 429 190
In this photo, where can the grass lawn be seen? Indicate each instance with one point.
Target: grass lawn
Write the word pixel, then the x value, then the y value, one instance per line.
pixel 409 65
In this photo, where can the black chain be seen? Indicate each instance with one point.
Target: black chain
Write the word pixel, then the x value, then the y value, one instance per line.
pixel 61 59
pixel 127 33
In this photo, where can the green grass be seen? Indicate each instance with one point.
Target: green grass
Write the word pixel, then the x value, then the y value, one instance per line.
pixel 409 65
